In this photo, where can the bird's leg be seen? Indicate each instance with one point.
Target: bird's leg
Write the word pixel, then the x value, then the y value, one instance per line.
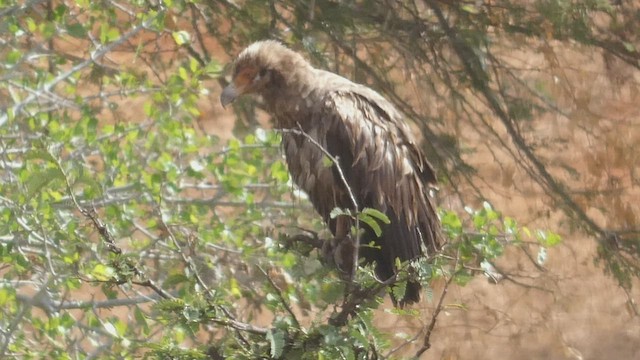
pixel 342 248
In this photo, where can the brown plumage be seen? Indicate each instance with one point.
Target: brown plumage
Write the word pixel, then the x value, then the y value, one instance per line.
pixel 384 168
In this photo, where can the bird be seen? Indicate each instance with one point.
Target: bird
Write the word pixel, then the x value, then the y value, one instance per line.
pixel 346 147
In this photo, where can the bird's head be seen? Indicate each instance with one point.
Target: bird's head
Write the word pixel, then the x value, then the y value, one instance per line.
pixel 263 65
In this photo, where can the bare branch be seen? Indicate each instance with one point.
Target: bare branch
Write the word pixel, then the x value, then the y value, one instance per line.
pixel 284 302
pixel 49 305
pixel 107 237
pixel 234 324
pixel 94 56
pixel 426 342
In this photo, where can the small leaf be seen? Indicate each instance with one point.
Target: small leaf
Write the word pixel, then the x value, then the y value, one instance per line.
pixel 548 238
pixel 542 256
pixel 553 239
pixel 13 57
pixel 629 46
pixel 234 288
pixel 108 34
pixel 377 214
pixel 276 341
pixel 470 9
pixel 182 72
pixel 191 314
pixel 428 292
pixel 111 329
pixel 102 272
pixel 326 161
pixel 399 289
pixel 77 30
pixel 373 224
pixel 181 37
pixel 279 172
pixel 92 187
pixel 213 68
pixel 338 211
pixel 39 179
pixel 196 165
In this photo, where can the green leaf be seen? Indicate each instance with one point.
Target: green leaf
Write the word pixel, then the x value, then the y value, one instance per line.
pixel 39 179
pixel 326 161
pixel 276 342
pixel 373 224
pixel 93 188
pixel 13 56
pixel 182 72
pixel 196 165
pixel 451 222
pixel 108 34
pixel 102 272
pixel 338 211
pixel 77 30
pixel 548 238
pixel 377 214
pixel 629 46
pixel 181 37
pixel 213 69
pixel 428 292
pixel 141 320
pixel 39 154
pixel 470 9
pixel 399 289
pixel 111 329
pixel 279 172
pixel 191 314
pixel 31 25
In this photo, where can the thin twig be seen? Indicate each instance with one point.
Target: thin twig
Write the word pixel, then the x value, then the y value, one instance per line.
pixel 517 282
pixel 186 259
pixel 284 302
pixel 95 55
pixel 107 237
pixel 632 303
pixel 360 296
pixel 333 159
pixel 49 305
pixel 234 324
pixel 473 68
pixel 426 343
pixel 15 324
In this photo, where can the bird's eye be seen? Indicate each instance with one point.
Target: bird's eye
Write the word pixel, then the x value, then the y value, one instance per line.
pixel 260 76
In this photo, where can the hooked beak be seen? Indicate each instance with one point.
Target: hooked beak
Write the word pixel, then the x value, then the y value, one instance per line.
pixel 229 94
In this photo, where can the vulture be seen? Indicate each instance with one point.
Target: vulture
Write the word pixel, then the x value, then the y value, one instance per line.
pixel 320 114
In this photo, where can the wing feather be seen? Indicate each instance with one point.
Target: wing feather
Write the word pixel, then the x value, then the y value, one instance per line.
pixel 386 171
pixel 382 166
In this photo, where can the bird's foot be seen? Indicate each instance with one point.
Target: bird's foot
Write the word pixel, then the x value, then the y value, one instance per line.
pixel 340 252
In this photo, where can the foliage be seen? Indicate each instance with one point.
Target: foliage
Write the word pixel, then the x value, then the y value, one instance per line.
pixel 128 231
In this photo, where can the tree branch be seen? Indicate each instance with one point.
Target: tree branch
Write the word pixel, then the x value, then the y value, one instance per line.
pixel 473 68
pixel 95 55
pixel 426 342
